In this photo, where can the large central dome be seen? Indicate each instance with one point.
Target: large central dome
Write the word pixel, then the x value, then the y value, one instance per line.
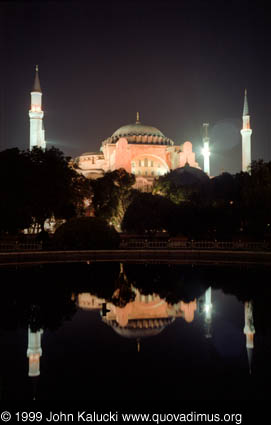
pixel 137 129
pixel 139 133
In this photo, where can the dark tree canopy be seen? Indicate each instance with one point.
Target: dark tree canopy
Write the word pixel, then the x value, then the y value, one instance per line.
pixel 85 233
pixel 148 213
pixel 36 185
pixel 57 189
pixel 15 190
pixel 224 207
pixel 112 194
pixel 182 184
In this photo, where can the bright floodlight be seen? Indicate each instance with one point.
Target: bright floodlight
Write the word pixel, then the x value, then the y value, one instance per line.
pixel 206 154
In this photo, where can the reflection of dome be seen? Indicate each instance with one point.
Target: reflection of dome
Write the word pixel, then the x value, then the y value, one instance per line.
pixel 140 328
pixel 139 133
pixel 187 175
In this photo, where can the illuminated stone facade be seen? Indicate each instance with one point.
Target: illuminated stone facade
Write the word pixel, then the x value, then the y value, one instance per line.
pixel 139 149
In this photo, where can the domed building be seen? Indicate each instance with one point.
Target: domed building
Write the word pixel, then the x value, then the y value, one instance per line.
pixel 140 149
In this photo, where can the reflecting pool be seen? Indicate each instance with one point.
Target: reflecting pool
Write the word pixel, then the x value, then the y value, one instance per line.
pixel 114 331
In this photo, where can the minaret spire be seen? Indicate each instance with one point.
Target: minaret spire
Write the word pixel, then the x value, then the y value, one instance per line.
pixel 36 115
pixel 245 110
pixel 36 87
pixel 246 136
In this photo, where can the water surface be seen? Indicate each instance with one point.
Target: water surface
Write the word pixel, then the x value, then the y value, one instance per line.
pixel 110 331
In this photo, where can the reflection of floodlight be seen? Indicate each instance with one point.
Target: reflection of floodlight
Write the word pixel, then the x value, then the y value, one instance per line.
pixel 208 304
pixel 207 308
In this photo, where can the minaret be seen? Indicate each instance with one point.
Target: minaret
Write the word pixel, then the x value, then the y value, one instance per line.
pixel 246 137
pixel 34 351
pixel 249 331
pixel 205 150
pixel 36 115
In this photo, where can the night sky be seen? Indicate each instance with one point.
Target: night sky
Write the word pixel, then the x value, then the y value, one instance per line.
pixel 179 63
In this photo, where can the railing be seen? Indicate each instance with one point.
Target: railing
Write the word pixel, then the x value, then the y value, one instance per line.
pixel 182 244
pixel 16 246
pixel 157 244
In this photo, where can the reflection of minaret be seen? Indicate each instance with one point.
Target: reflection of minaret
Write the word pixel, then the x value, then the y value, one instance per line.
pixel 246 136
pixel 205 150
pixel 34 351
pixel 36 115
pixel 208 311
pixel 249 331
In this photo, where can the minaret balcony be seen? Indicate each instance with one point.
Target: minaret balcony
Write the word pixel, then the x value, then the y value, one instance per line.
pixel 36 114
pixel 245 131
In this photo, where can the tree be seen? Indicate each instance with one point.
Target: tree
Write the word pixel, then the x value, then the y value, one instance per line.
pixel 85 233
pixel 112 194
pixel 37 185
pixel 15 191
pixel 183 184
pixel 148 213
pixel 223 189
pixel 57 190
pixel 255 198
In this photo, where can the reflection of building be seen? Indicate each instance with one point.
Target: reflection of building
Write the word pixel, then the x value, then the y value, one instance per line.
pixel 34 352
pixel 89 302
pixel 205 308
pixel 208 311
pixel 146 316
pixel 249 331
